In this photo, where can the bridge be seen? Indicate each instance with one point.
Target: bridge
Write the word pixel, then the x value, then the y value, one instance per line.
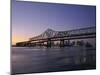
pixel 82 57
pixel 49 36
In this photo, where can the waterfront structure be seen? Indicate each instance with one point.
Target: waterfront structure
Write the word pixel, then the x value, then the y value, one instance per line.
pixel 65 38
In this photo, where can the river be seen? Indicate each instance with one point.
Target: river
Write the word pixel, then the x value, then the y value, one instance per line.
pixel 36 60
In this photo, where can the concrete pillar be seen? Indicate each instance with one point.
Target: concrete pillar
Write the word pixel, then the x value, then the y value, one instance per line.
pixel 49 42
pixel 62 43
pixel 68 43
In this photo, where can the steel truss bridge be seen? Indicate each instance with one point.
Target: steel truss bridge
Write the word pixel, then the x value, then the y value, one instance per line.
pixel 50 36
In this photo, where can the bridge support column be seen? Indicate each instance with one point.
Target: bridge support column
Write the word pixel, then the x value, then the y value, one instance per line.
pixel 49 43
pixel 62 43
pixel 67 43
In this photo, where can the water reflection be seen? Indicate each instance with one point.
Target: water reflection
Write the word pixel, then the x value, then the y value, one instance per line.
pixel 32 60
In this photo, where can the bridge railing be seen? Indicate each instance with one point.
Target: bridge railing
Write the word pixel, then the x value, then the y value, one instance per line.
pixel 51 34
pixel 82 31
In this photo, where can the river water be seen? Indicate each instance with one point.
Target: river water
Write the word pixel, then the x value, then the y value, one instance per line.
pixel 36 60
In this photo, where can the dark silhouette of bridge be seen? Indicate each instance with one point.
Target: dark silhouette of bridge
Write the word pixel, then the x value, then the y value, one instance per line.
pixel 79 57
pixel 49 36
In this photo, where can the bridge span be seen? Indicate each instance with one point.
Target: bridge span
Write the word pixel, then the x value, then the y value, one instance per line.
pixel 64 37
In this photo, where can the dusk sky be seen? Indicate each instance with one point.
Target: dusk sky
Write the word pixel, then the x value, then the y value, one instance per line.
pixel 30 19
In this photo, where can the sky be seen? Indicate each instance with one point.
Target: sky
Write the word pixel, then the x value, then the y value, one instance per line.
pixel 30 19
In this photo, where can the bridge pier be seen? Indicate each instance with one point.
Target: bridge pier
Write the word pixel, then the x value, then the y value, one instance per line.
pixel 62 43
pixel 49 43
pixel 68 42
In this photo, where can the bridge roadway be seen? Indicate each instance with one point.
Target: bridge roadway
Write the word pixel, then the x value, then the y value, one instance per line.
pixel 50 35
pixel 62 39
pixel 69 37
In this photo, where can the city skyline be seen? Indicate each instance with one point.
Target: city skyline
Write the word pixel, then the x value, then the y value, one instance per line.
pixel 31 19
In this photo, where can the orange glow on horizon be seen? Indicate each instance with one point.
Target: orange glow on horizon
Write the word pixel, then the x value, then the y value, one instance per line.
pixel 16 39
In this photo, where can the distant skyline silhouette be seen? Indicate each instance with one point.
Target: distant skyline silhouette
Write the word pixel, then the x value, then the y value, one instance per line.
pixel 30 19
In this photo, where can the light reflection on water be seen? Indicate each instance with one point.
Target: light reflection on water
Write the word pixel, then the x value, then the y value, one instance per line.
pixel 28 60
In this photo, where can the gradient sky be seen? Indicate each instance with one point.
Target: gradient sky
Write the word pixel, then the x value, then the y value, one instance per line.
pixel 32 18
